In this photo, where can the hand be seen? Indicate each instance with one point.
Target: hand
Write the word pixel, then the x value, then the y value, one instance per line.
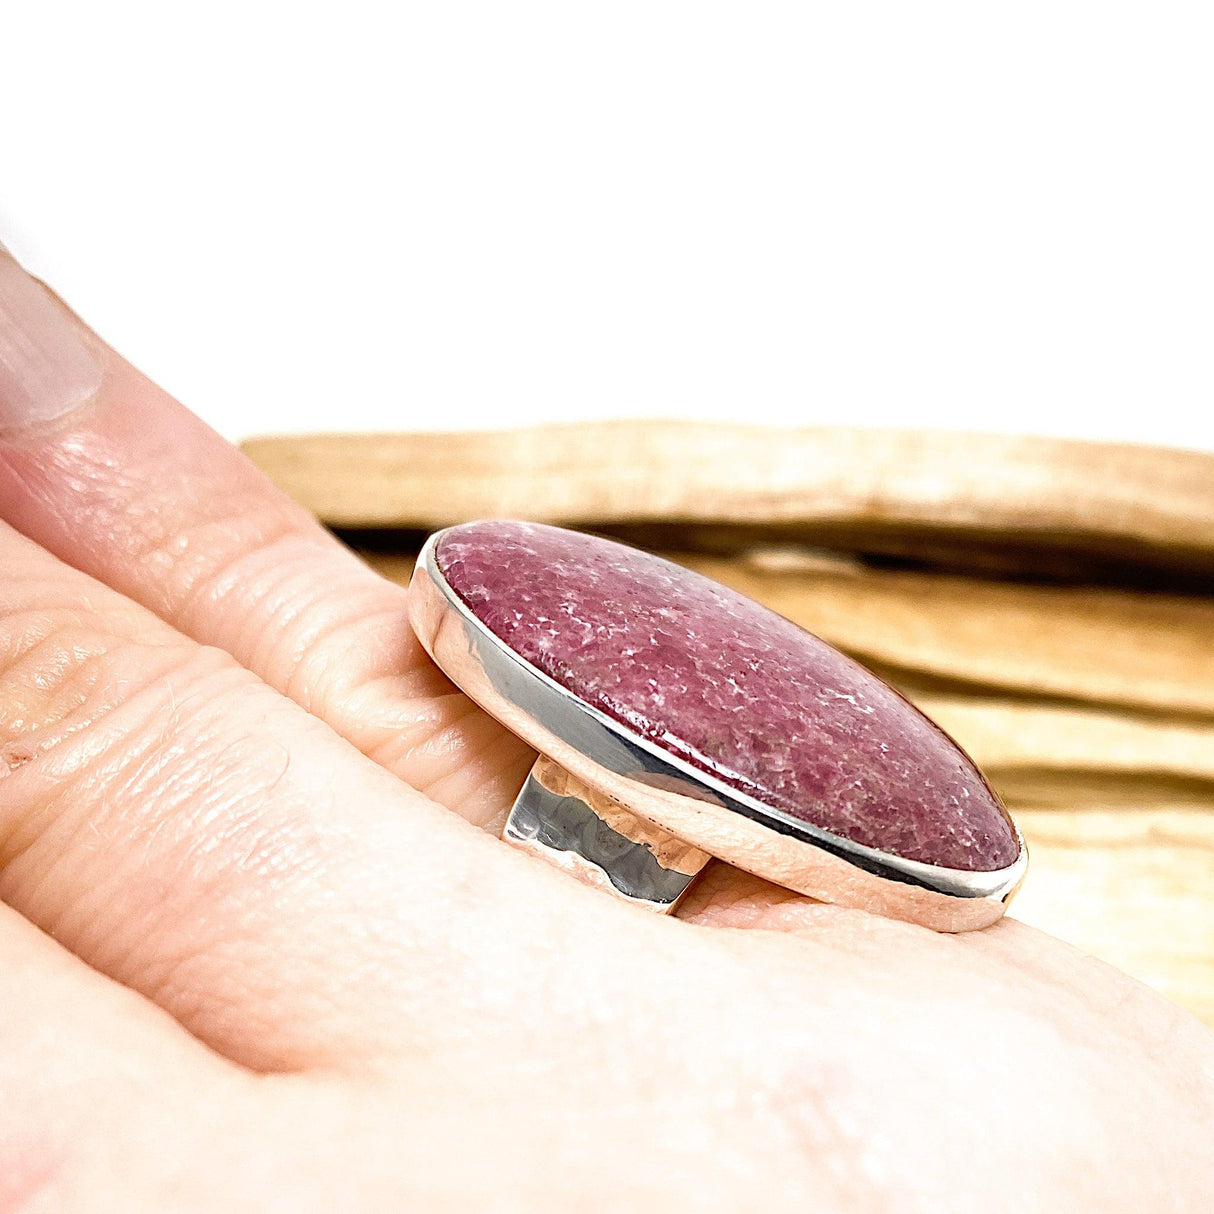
pixel 256 954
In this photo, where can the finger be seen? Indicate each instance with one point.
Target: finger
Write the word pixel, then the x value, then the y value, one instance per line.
pixel 723 896
pixel 90 1073
pixel 195 835
pixel 113 476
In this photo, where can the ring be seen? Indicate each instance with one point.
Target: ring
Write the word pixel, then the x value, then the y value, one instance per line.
pixel 677 721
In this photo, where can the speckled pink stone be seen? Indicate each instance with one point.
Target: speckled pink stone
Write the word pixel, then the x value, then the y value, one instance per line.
pixel 730 687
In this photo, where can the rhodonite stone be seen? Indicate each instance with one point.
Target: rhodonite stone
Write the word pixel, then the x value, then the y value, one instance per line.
pixel 730 687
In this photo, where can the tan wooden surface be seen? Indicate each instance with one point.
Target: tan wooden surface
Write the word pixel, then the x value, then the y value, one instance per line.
pixel 1134 887
pixel 1061 641
pixel 1090 708
pixel 1007 501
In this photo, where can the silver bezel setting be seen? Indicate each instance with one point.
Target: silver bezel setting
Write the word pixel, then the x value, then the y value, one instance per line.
pixel 705 812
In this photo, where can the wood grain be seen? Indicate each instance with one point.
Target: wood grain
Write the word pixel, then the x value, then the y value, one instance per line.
pixel 1144 651
pixel 1044 743
pixel 1132 887
pixel 1016 501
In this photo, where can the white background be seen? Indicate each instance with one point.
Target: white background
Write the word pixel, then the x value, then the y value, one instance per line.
pixel 366 216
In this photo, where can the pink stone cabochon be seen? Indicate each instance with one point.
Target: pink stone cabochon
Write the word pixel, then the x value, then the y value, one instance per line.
pixel 731 688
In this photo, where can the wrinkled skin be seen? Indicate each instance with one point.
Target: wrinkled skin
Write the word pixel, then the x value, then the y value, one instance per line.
pixel 258 955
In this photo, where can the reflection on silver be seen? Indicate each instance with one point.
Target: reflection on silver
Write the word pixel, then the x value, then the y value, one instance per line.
pixel 567 824
pixel 661 805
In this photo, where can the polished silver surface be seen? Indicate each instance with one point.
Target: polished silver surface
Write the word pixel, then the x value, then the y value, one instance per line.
pixel 629 774
pixel 567 826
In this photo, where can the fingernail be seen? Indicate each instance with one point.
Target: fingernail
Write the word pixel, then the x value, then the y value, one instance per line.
pixel 46 368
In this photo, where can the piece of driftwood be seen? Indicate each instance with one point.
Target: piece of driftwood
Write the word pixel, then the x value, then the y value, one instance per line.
pixel 1040 753
pixel 1084 691
pixel 1134 887
pixel 1044 506
pixel 1145 651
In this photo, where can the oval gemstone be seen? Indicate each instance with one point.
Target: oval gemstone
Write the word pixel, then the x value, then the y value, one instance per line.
pixel 731 688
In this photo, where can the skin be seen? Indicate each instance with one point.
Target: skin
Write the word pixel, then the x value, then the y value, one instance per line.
pixel 257 953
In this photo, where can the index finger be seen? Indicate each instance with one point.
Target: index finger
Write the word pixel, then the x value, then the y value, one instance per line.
pixel 108 472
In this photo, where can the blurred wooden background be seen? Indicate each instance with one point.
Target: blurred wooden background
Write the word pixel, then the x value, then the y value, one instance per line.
pixel 1051 604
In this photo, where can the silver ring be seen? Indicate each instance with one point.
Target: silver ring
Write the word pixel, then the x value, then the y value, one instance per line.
pixel 554 633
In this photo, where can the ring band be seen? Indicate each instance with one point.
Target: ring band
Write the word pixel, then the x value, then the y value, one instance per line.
pixel 640 782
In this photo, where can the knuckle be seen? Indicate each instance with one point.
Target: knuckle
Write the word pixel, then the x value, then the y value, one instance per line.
pixel 49 667
pixel 247 582
pixel 77 698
